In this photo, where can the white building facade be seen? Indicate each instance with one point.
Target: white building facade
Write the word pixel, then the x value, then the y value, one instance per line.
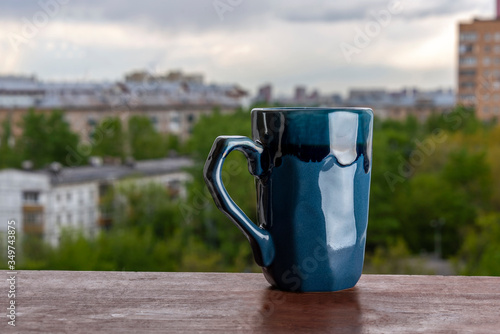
pixel 44 203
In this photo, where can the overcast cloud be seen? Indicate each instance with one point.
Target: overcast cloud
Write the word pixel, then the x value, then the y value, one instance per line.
pixel 247 42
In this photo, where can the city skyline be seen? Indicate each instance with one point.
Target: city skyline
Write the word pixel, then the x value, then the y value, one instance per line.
pixel 325 46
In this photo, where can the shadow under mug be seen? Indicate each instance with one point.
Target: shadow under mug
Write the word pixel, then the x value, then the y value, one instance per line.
pixel 312 168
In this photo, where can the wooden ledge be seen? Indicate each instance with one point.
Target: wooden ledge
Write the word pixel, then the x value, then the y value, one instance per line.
pixel 143 302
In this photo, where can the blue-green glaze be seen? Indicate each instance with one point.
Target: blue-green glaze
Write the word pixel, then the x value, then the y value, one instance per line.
pixel 312 169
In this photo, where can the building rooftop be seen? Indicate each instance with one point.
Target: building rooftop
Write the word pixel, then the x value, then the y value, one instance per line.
pixel 27 91
pixel 104 173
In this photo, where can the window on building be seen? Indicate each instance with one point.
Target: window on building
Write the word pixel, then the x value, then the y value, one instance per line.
pixel 467 84
pixel 497 36
pixel 468 98
pixel 496 110
pixel 484 85
pixel 465 48
pixel 58 197
pixel 58 220
pixel 175 122
pixel 469 36
pixel 486 110
pixel 154 122
pixel 91 217
pixel 33 218
pixel 487 37
pixel 468 61
pixel 487 48
pixel 68 196
pixel 467 72
pixel 496 49
pixel 92 125
pixel 69 218
pixel 486 61
pixel 31 197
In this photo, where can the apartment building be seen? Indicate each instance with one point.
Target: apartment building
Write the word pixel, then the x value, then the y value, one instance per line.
pixel 479 65
pixel 173 102
pixel 44 202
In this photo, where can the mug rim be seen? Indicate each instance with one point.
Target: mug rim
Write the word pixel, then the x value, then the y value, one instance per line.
pixel 323 109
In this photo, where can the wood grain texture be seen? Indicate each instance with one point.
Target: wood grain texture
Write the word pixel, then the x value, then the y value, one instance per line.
pixel 133 302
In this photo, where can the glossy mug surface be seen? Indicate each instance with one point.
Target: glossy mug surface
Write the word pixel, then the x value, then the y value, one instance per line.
pixel 312 168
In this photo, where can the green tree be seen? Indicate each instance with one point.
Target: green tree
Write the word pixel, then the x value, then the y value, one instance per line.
pixel 147 234
pixel 427 199
pixel 145 141
pixel 394 259
pixel 493 152
pixel 210 228
pixel 145 206
pixel 60 136
pixel 480 253
pixel 9 155
pixel 46 138
pixel 469 174
pixel 392 147
pixel 109 138
pixel 461 118
pixel 173 143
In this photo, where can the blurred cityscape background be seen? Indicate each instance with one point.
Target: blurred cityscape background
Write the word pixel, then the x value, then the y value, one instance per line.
pixel 108 112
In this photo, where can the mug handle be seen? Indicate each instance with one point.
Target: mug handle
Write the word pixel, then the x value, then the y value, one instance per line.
pixel 259 238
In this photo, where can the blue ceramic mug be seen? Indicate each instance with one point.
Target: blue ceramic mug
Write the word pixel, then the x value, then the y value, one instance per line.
pixel 312 168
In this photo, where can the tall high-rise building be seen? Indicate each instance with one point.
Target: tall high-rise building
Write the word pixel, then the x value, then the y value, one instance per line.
pixel 265 94
pixel 300 93
pixel 479 65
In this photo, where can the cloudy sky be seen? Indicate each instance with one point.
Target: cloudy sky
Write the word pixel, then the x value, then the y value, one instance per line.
pixel 328 45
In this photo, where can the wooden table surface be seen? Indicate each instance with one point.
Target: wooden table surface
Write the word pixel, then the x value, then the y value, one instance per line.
pixel 143 302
